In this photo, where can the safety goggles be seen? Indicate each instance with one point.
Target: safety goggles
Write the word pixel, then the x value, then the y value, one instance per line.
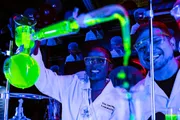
pixel 96 60
pixel 157 40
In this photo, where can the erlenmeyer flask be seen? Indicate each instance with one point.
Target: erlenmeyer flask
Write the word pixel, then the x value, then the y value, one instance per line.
pixel 86 110
pixel 53 110
pixel 24 27
pixel 21 70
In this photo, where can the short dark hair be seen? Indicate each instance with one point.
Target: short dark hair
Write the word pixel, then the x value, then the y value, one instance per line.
pixel 102 49
pixel 146 25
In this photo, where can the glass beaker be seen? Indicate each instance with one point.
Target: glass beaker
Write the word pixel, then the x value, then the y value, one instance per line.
pixel 61 28
pixel 172 114
pixel 86 110
pixel 24 27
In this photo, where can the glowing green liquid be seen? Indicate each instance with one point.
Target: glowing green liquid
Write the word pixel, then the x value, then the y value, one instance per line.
pixel 21 70
pixel 22 36
pixel 171 117
pixel 59 29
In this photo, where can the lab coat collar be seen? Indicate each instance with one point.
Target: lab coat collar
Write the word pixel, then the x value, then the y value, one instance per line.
pixel 109 87
pixel 158 90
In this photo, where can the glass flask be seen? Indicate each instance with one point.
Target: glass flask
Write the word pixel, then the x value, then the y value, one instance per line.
pixel 175 11
pixel 86 110
pixel 19 115
pixel 21 70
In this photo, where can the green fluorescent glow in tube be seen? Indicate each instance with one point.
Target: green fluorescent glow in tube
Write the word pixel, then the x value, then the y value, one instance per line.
pixel 59 29
pixel 109 13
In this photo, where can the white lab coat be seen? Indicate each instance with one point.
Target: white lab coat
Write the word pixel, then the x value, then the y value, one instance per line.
pixel 70 58
pixel 141 98
pixel 115 54
pixel 91 36
pixel 67 90
pixel 134 28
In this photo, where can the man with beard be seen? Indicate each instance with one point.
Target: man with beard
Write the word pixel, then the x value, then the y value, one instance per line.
pixel 109 103
pixel 166 73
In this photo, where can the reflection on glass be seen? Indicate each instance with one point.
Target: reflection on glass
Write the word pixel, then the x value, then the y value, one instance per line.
pixel 86 110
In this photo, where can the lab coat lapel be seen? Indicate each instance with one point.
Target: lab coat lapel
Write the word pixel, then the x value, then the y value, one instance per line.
pixel 106 90
pixel 176 86
pixel 158 91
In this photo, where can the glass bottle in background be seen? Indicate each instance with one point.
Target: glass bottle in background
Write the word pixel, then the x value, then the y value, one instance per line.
pixel 2 102
pixel 19 115
pixel 53 110
pixel 62 28
pixel 86 110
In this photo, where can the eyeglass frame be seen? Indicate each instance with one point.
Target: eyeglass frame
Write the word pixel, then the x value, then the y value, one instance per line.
pixel 106 60
pixel 145 39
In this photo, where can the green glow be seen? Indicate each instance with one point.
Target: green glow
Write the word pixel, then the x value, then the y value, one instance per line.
pixel 124 23
pixel 128 95
pixel 171 117
pixel 59 29
pixel 22 36
pixel 121 75
pixel 125 84
pixel 21 70
pixel 132 117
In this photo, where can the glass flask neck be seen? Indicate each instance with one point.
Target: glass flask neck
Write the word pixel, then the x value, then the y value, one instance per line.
pixel 87 94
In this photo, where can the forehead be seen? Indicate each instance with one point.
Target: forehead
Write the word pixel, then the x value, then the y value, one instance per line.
pixel 145 34
pixel 97 53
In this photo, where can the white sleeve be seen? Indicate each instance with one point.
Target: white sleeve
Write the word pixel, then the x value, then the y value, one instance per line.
pixel 49 82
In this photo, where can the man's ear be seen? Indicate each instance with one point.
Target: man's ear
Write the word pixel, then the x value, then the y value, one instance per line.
pixel 110 67
pixel 173 43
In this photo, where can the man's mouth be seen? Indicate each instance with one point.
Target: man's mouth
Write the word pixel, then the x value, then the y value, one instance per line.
pixel 155 57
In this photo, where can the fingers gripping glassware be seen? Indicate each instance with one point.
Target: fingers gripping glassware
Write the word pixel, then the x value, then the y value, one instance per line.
pixel 86 110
